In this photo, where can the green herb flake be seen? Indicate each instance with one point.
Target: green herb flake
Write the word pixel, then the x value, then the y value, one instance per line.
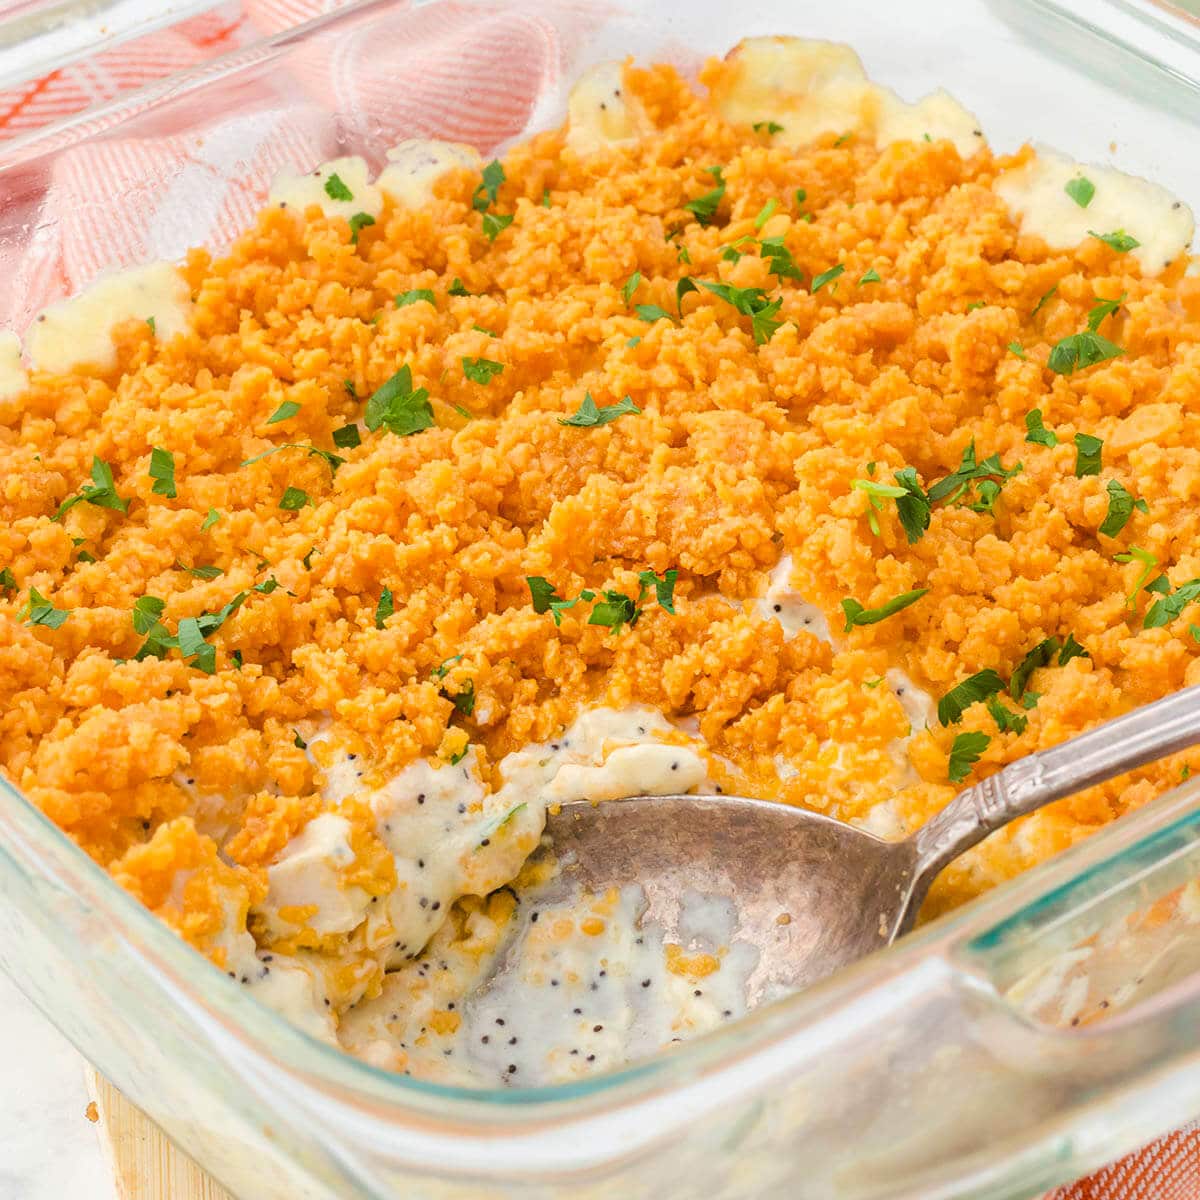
pixel 1120 508
pixel 965 753
pixel 751 302
pixel 307 559
pixel 385 608
pixel 872 276
pixel 857 615
pixel 590 414
pixel 465 413
pixel 1120 241
pixel 285 412
pixel 294 499
pixel 651 313
pixel 457 288
pixel 8 581
pixel 1081 190
pixel 495 224
pixel 1103 308
pixel 40 611
pixel 767 127
pixel 1017 349
pixel 1088 453
pixel 210 520
pixel 347 437
pixel 970 472
pixel 416 296
pixel 101 492
pixel 481 370
pixel 1037 308
pixel 359 222
pixel 664 588
pixel 765 213
pixel 545 197
pixel 1079 351
pixel 1006 720
pixel 336 189
pixel 779 259
pixel 1148 561
pixel 398 407
pixel 297 740
pixel 1039 656
pixel 1071 649
pixel 970 691
pixel 1036 431
pixel 153 328
pixel 1168 607
pixel 630 286
pixel 486 192
pixel 704 208
pixel 162 471
pixel 615 611
pixel 826 277
pixel 202 572
pixel 464 700
pixel 147 613
pixel 439 672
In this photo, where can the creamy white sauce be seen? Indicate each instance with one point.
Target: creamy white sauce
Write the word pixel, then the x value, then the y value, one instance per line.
pixel 813 87
pixel 794 613
pixel 301 191
pixel 78 332
pixel 917 703
pixel 601 111
pixel 13 379
pixel 1036 194
pixel 414 166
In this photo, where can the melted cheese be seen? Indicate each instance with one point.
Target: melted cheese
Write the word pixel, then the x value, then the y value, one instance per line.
pixel 602 112
pixel 813 88
pixel 78 332
pixel 13 379
pixel 1036 194
pixel 307 190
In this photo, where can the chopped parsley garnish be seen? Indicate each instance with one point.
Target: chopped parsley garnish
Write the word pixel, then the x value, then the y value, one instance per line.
pixel 162 471
pixel 1168 607
pixel 40 611
pixel 1017 349
pixel 974 688
pixel 1081 350
pixel 612 609
pixel 876 494
pixel 872 276
pixel 385 608
pixel 359 222
pixel 1081 190
pixel 351 391
pixel 202 572
pixel 307 559
pixel 464 701
pixel 486 192
pixel 1037 308
pixel 633 341
pixel 480 329
pixel 664 588
pixel 457 288
pixel 545 197
pixel 651 313
pixel 481 370
pixel 152 326
pixel 767 127
pixel 1103 308
pixel 630 286
pixel 294 499
pixel 336 189
pixel 269 585
pixel 976 304
pixel 1036 431
pixel 779 259
pixel 682 255
pixel 1148 561
pixel 193 646
pixel 439 672
pixel 704 208
pixel 102 492
pixel 347 437
pixel 1039 656
pixel 285 412
pixel 465 413
pixel 1006 720
pixel 857 615
pixel 825 277
pixel 842 140
pixel 415 296
pixel 546 597
pixel 589 413
pixel 1120 508
pixel 1120 241
pixel 298 741
pixel 965 753
pixel 753 303
pixel 147 612
pixel 970 471
pixel 8 582
pixel 1088 452
pixel 913 507
pixel 333 461
pixel 1071 649
pixel 685 285
pixel 765 213
pixel 398 407
pixel 495 224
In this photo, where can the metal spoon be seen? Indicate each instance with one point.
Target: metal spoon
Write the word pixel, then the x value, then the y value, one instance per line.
pixel 814 894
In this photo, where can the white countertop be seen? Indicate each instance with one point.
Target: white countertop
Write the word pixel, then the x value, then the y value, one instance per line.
pixel 48 1148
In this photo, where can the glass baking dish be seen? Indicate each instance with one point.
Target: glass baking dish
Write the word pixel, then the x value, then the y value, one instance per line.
pixel 1012 1045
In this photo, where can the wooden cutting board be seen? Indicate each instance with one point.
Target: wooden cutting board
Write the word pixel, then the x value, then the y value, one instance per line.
pixel 145 1164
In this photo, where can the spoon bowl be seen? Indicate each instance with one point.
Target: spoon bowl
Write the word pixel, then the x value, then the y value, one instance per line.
pixel 813 894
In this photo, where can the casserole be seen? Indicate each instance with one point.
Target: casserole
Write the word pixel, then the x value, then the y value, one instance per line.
pixel 320 1140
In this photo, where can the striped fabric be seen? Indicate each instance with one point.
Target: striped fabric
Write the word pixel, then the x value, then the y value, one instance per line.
pixel 468 75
